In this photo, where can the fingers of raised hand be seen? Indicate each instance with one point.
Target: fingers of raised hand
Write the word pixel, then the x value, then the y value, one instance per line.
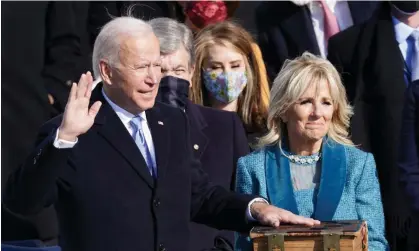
pixel 94 109
pixel 73 93
pixel 83 86
pixel 89 85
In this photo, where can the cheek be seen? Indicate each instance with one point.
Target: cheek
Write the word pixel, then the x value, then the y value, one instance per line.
pixel 185 76
pixel 239 69
pixel 296 124
pixel 328 115
pixel 302 114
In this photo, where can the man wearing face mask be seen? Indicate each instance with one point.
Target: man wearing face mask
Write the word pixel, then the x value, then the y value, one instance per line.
pixel 378 61
pixel 218 137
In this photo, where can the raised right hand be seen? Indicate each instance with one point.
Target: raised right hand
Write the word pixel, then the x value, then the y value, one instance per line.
pixel 78 118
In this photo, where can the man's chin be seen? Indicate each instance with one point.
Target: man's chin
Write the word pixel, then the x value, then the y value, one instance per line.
pixel 147 104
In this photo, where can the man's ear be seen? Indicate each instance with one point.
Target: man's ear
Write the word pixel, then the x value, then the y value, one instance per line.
pixel 105 72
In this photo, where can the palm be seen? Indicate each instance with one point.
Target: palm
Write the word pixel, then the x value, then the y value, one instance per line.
pixel 78 118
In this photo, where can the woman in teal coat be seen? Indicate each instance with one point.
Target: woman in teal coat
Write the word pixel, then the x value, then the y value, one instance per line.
pixel 306 163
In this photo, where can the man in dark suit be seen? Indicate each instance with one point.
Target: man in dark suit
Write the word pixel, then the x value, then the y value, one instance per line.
pixel 40 53
pixel 218 137
pixel 288 28
pixel 373 59
pixel 121 173
pixel 409 157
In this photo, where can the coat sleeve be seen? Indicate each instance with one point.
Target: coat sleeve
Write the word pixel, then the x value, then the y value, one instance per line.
pixel 34 185
pixel 408 160
pixel 369 206
pixel 243 186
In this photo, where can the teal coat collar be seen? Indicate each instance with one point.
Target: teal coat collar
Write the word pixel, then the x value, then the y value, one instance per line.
pixel 332 181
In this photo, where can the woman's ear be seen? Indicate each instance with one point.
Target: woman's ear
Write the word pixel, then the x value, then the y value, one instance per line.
pixel 105 72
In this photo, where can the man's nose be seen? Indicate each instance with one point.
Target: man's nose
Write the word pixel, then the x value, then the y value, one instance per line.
pixel 154 75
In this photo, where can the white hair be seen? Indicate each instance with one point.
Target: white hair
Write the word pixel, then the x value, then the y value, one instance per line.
pixel 172 35
pixel 108 42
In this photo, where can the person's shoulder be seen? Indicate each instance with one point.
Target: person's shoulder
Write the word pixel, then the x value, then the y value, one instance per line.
pixel 211 113
pixel 255 158
pixel 354 150
pixel 356 156
pixel 167 111
pixel 351 33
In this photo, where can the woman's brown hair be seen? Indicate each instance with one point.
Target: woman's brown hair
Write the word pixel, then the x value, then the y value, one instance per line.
pixel 253 102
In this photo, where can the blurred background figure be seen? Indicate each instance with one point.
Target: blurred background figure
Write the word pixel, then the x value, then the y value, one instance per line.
pixel 195 14
pixel 218 138
pixel 289 28
pixel 41 57
pixel 409 158
pixel 230 75
pixel 376 63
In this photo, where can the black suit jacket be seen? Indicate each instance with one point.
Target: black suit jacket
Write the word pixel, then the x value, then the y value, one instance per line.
pixel 218 141
pixel 40 52
pixel 286 30
pixel 106 198
pixel 372 68
pixel 409 145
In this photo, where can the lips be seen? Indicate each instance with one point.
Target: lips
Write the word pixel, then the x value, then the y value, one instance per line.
pixel 147 94
pixel 314 125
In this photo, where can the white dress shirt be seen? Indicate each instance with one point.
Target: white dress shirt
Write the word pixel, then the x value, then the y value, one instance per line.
pixel 343 16
pixel 402 32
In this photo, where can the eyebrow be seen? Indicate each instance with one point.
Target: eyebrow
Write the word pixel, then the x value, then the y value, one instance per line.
pixel 179 66
pixel 231 62
pixel 174 67
pixel 303 98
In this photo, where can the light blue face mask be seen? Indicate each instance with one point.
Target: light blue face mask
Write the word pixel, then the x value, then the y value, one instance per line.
pixel 226 86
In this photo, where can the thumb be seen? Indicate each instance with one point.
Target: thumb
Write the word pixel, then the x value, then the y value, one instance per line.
pixel 94 109
pixel 276 222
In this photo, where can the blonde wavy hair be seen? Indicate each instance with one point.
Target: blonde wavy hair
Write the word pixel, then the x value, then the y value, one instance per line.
pixel 290 84
pixel 253 102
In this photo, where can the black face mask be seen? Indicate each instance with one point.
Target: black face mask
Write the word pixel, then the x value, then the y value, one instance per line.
pixel 173 91
pixel 407 7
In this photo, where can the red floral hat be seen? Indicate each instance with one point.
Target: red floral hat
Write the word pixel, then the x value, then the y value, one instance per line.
pixel 202 13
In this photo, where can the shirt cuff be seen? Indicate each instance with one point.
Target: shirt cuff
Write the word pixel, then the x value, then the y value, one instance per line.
pixel 249 216
pixel 61 144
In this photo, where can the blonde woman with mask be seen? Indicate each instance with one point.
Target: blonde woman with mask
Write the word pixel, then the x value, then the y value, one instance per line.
pixel 230 75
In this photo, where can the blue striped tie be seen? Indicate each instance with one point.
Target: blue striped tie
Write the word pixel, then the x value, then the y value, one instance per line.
pixel 139 139
pixel 414 64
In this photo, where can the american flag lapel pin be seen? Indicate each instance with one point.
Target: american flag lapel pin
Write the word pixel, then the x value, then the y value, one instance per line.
pixel 160 123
